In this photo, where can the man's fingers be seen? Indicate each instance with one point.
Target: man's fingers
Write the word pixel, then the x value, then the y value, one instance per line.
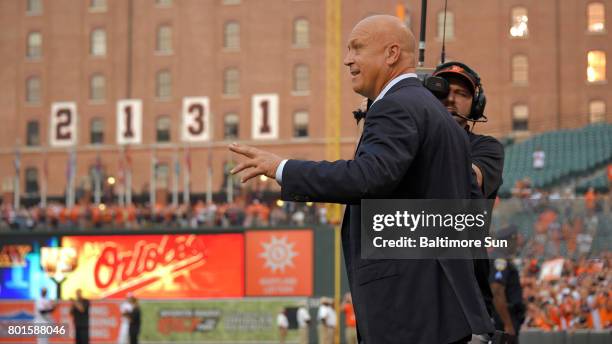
pixel 243 166
pixel 251 174
pixel 247 151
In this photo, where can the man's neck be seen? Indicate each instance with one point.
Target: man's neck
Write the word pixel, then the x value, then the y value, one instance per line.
pixel 392 75
pixel 387 87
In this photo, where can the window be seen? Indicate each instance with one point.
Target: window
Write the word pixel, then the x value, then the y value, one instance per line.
pixel 596 70
pixel 520 117
pixel 162 129
pixel 230 126
pixel 34 49
pixel 231 82
pixel 450 25
pixel 231 36
pixel 301 33
pixel 596 17
pixel 96 133
pixel 519 21
pixel 520 69
pixel 301 82
pixel 163 85
pixel 597 111
pixel 97 87
pixel 32 133
pixel 34 7
pixel 97 5
pixel 300 124
pixel 33 90
pixel 231 2
pixel 98 42
pixel 164 39
pixel 163 2
pixel 31 182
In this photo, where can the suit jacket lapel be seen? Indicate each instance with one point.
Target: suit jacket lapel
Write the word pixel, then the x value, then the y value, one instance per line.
pixel 402 83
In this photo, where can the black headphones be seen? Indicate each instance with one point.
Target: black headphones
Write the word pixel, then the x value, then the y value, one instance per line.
pixel 479 101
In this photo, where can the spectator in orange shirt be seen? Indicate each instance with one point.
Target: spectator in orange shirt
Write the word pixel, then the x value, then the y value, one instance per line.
pixel 119 216
pixel 599 317
pixel 589 200
pixel 350 328
pixel 63 216
pixel 131 216
pixel 538 319
pixel 75 214
pixel 96 216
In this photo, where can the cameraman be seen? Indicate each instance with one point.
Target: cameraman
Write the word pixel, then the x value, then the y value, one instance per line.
pixel 466 101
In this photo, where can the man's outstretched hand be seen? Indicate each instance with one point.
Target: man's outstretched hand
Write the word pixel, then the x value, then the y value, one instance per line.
pixel 258 162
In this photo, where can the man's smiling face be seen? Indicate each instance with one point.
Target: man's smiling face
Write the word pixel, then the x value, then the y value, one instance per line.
pixel 365 59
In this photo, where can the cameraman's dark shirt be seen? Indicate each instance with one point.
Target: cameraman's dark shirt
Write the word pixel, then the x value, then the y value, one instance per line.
pixel 488 155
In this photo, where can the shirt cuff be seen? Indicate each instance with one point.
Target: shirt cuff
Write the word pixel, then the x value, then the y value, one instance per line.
pixel 279 171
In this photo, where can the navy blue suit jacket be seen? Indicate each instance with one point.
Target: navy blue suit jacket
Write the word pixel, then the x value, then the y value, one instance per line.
pixel 411 147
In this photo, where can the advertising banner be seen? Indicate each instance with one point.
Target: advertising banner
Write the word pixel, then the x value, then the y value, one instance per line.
pixel 21 274
pixel 279 263
pixel 247 321
pixel 104 320
pixel 170 266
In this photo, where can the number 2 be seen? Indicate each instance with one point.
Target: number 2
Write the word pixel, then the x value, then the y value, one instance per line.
pixel 67 119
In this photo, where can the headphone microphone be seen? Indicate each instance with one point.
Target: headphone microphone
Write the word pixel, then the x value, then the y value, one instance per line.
pixel 471 119
pixel 479 100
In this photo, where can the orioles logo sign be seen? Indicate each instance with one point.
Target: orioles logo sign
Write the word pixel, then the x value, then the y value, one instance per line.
pixel 169 255
pixel 156 266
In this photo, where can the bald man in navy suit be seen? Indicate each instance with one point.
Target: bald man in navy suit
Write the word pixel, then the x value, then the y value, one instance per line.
pixel 410 148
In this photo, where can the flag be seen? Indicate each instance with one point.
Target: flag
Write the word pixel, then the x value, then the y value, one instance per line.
pixel 188 159
pixel 152 186
pixel 187 177
pixel 175 178
pixel 128 175
pixel 45 169
pixel 98 179
pixel 17 161
pixel 71 165
pixel 400 11
pixel 128 158
pixel 209 177
pixel 16 194
pixel 43 191
pixel 98 165
pixel 70 174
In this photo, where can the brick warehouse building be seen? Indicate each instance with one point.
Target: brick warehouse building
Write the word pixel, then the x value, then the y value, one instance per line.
pixel 68 65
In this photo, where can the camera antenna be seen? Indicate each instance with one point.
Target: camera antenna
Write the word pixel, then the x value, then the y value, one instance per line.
pixel 422 33
pixel 443 53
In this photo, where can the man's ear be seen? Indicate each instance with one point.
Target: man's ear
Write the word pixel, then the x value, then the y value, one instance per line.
pixel 392 53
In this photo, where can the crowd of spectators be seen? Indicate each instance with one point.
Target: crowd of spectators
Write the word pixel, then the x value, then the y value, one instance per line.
pixel 253 213
pixel 556 226
pixel 577 299
pixel 573 233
